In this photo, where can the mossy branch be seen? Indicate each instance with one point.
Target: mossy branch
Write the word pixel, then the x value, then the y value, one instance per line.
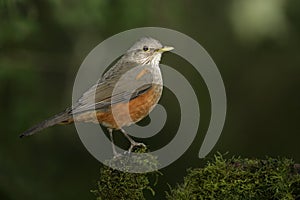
pixel 234 178
pixel 119 184
pixel 238 178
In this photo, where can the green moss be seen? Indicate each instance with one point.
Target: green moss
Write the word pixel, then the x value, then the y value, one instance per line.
pixel 221 178
pixel 116 184
pixel 238 178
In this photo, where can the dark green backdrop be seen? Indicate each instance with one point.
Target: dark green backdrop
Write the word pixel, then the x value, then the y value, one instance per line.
pixel 255 44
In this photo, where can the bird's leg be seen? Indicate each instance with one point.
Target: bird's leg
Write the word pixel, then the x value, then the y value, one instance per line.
pixel 132 142
pixel 112 142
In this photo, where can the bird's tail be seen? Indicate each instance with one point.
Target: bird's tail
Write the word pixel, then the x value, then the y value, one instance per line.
pixel 64 117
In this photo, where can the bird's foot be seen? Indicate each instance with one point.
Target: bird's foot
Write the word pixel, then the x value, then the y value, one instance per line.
pixel 117 155
pixel 135 144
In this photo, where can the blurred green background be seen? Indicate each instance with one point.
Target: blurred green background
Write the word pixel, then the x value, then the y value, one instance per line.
pixel 255 44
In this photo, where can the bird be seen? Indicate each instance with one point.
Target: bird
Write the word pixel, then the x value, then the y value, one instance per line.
pixel 132 86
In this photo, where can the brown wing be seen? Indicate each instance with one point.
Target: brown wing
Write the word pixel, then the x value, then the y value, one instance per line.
pixel 121 83
pixel 101 95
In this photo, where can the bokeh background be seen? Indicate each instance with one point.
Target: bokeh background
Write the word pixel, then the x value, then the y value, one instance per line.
pixel 255 44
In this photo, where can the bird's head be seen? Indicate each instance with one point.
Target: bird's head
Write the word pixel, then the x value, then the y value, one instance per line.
pixel 147 51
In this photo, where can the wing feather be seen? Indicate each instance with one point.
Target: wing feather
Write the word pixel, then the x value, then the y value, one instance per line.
pixel 119 84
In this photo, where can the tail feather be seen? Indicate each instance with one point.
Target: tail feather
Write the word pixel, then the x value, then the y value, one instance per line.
pixel 63 117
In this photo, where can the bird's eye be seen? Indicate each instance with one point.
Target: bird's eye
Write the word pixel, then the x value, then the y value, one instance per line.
pixel 145 48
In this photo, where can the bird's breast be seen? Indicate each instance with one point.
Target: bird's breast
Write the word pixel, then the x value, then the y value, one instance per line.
pixel 125 113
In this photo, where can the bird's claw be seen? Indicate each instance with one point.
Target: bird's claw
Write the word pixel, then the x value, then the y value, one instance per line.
pixel 117 155
pixel 136 144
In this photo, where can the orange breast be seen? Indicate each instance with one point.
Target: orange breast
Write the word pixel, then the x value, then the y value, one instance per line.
pixel 137 108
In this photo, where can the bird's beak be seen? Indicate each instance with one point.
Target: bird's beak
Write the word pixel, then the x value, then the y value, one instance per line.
pixel 164 49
